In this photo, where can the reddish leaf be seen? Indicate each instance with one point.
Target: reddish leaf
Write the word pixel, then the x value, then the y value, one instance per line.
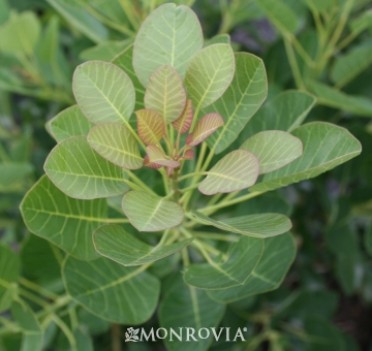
pixel 183 123
pixel 157 156
pixel 150 126
pixel 189 154
pixel 205 127
pixel 149 164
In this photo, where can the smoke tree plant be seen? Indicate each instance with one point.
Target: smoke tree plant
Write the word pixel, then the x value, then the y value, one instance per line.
pixel 140 191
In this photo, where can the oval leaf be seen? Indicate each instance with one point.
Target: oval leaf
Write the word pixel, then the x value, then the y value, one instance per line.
pixel 68 123
pixel 205 127
pixel 115 143
pixel 274 149
pixel 81 173
pixel 63 221
pixel 149 213
pixel 170 35
pixel 209 74
pixel 241 100
pixel 117 294
pixel 113 242
pixel 236 171
pixel 257 225
pixel 325 147
pixel 165 93
pixel 226 274
pixel 184 305
pixel 277 256
pixel 150 126
pixel 103 92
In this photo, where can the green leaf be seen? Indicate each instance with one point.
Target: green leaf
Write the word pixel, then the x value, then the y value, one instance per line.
pixel 332 97
pixel 183 123
pixel 286 111
pixel 124 61
pixel 70 122
pixel 107 50
pixel 165 93
pixel 81 173
pixel 236 171
pixel 40 263
pixel 209 74
pixel 257 225
pixel 115 143
pixel 111 291
pixel 19 35
pixel 149 213
pixel 115 243
pixel 325 147
pixel 185 306
pixel 10 269
pixel 170 35
pixel 63 221
pixel 13 176
pixel 156 156
pixel 4 11
pixel 31 329
pixel 351 64
pixel 104 92
pixel 281 14
pixel 241 100
pixel 150 126
pixel 222 274
pixel 76 14
pixel 277 256
pixel 274 149
pixel 206 126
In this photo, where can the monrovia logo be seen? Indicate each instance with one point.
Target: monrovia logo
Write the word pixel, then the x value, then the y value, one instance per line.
pixel 185 334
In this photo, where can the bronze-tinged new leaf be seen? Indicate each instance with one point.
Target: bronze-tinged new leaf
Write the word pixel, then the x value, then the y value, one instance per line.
pixel 165 93
pixel 205 127
pixel 156 156
pixel 150 126
pixel 189 154
pixel 183 124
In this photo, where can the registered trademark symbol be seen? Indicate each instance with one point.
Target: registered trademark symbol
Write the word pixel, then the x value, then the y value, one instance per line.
pixel 245 329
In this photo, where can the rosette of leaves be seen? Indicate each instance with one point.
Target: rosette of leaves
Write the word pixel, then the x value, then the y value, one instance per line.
pixel 145 175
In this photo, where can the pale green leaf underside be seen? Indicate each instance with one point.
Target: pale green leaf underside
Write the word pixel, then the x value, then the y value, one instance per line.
pixel 221 275
pixel 115 243
pixel 325 147
pixel 111 291
pixel 286 111
pixel 235 171
pixel 115 143
pixel 165 93
pixel 10 269
pixel 257 225
pixel 81 173
pixel 278 255
pixel 185 305
pixel 171 35
pixel 149 213
pixel 241 100
pixel 68 123
pixel 209 74
pixel 104 92
pixel 124 61
pixel 65 222
pixel 274 149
